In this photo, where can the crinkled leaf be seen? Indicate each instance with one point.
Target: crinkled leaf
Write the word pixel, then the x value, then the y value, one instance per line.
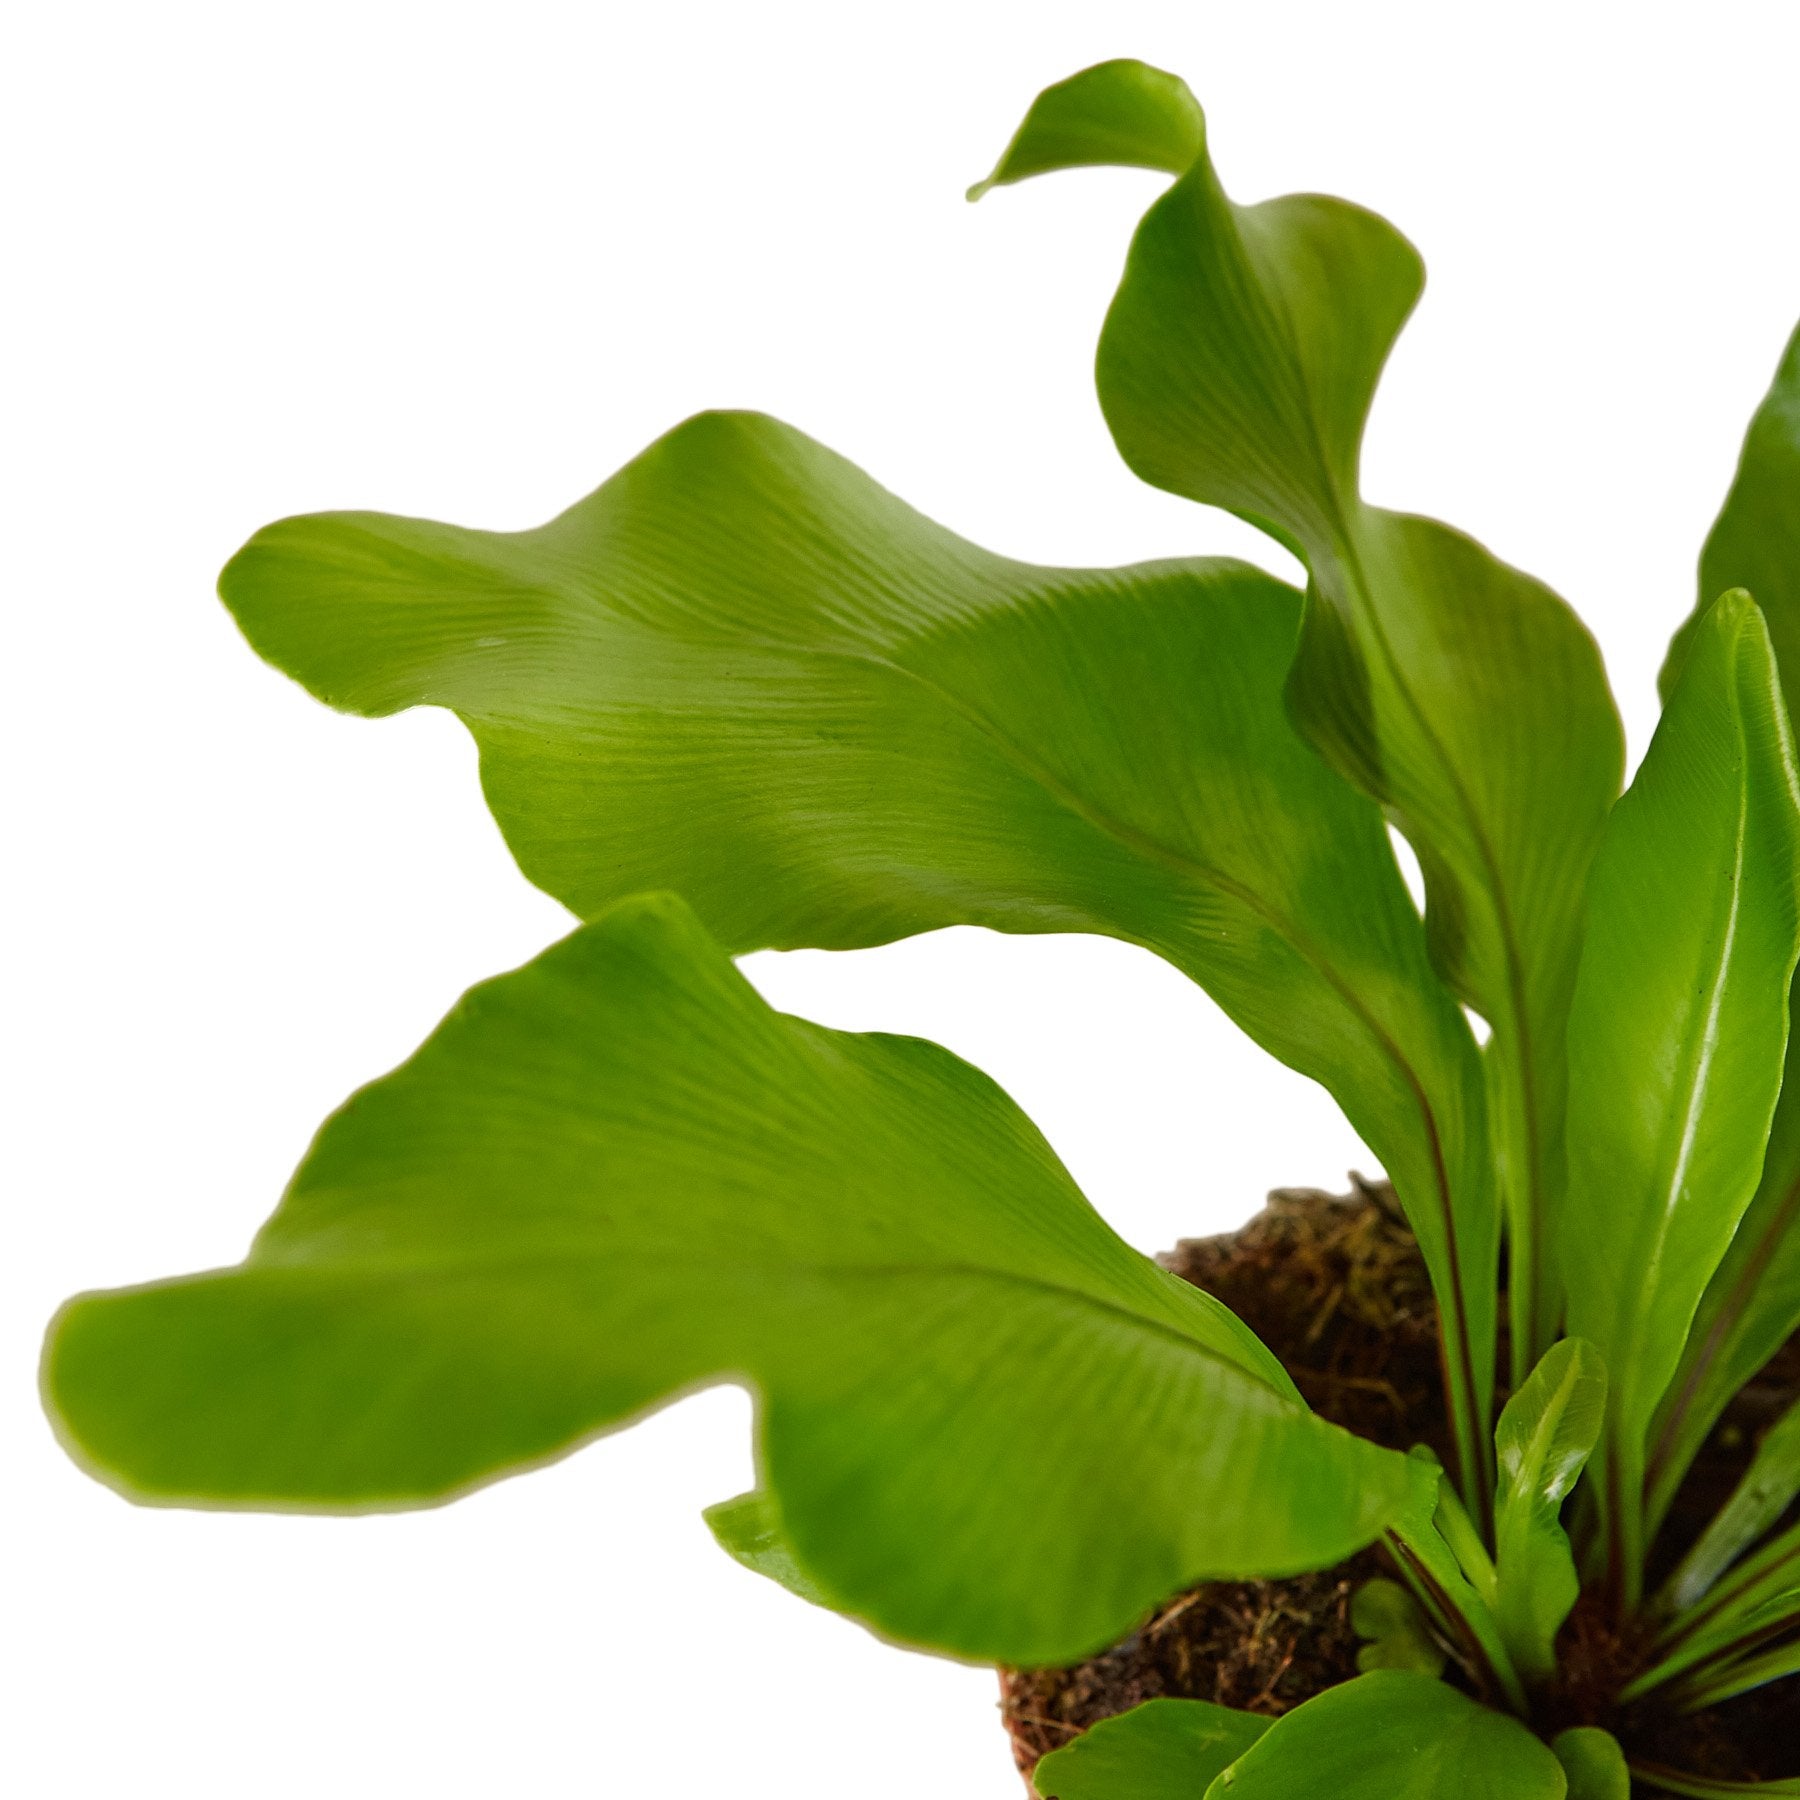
pixel 743 671
pixel 615 1175
pixel 1679 1028
pixel 1766 1491
pixel 1162 1750
pixel 1546 1433
pixel 1593 1762
pixel 1391 1735
pixel 1752 1305
pixel 1397 1632
pixel 1236 367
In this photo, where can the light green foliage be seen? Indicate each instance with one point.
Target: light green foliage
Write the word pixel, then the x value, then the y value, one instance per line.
pixel 742 671
pixel 1391 1735
pixel 1593 1763
pixel 1460 1600
pixel 1678 1029
pixel 1398 1634
pixel 1546 1433
pixel 1236 367
pixel 747 1527
pixel 615 1175
pixel 1755 541
pixel 742 697
pixel 1123 112
pixel 1162 1750
pixel 1752 1304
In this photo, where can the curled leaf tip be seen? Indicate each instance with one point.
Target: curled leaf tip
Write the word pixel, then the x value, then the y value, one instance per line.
pixel 1124 113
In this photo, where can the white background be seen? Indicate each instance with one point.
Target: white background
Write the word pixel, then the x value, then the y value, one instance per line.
pixel 462 262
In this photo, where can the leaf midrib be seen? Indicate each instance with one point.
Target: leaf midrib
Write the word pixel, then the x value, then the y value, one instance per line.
pixel 561 1255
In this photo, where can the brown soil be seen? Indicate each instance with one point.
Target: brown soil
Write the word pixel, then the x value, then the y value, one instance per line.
pixel 1336 1287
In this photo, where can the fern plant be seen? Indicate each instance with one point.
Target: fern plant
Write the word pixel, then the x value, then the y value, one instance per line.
pixel 742 697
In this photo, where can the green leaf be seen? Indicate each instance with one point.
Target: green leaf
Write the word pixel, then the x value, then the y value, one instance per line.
pixel 1745 1674
pixel 1593 1762
pixel 614 1176
pixel 1755 541
pixel 1678 1030
pixel 1237 367
pixel 1391 1735
pixel 1162 1750
pixel 1422 1538
pixel 742 671
pixel 1659 1780
pixel 1724 1635
pixel 1122 112
pixel 1766 1491
pixel 1546 1433
pixel 1752 1305
pixel 748 1529
pixel 1398 1634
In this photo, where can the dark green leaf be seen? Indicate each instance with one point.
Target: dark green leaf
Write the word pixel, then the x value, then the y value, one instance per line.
pixel 1162 1750
pixel 1743 1618
pixel 1747 1673
pixel 1594 1764
pixel 1658 1780
pixel 1237 367
pixel 614 1176
pixel 743 671
pixel 1760 1498
pixel 1391 1735
pixel 1546 1433
pixel 1678 1029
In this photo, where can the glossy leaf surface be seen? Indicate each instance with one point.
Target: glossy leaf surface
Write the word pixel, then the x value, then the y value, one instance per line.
pixel 742 671
pixel 1752 1305
pixel 1461 1606
pixel 1593 1762
pixel 1546 1433
pixel 1679 1029
pixel 1391 1735
pixel 1236 367
pixel 1162 1750
pixel 615 1175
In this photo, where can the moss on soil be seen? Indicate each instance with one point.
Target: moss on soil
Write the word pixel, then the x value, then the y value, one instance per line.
pixel 1336 1287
